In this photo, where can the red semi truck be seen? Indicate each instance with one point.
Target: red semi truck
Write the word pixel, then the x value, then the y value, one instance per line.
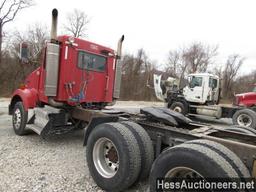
pixel 78 78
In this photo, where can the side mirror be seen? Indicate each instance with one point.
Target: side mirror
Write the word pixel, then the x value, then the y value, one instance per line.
pixel 24 52
pixel 190 82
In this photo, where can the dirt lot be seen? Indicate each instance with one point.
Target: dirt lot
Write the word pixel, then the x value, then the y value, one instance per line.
pixel 30 163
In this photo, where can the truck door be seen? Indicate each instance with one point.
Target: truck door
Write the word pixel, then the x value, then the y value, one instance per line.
pixel 214 87
pixel 194 92
pixel 157 87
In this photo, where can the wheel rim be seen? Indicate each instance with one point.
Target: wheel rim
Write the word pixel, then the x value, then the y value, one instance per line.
pixel 17 118
pixel 177 109
pixel 183 172
pixel 244 120
pixel 105 157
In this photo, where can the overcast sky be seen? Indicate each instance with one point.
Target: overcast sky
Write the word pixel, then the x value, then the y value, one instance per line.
pixel 160 25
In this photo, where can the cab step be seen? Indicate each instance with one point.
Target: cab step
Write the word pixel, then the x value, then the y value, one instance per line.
pixel 35 128
pixel 49 121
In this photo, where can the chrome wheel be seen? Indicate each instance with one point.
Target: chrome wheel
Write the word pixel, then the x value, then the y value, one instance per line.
pixel 17 118
pixel 244 120
pixel 105 157
pixel 183 172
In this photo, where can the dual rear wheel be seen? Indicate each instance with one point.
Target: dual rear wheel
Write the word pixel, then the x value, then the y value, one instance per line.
pixel 119 154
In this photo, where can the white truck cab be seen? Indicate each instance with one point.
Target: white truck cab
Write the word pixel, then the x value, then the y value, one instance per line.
pixel 202 88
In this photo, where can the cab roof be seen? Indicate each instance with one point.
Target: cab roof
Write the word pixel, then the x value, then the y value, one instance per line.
pixel 86 45
pixel 204 75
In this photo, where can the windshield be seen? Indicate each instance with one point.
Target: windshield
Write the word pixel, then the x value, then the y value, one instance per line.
pixel 254 89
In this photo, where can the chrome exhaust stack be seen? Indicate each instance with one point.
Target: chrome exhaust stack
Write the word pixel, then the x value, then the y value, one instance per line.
pixel 52 63
pixel 118 73
pixel 119 47
pixel 54 25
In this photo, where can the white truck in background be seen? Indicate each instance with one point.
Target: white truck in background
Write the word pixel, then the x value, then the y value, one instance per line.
pixel 201 96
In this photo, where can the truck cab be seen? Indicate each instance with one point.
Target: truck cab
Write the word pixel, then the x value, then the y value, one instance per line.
pixel 246 99
pixel 202 88
pixel 74 74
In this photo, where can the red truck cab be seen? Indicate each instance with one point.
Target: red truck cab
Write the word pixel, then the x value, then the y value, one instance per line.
pixel 73 71
pixel 74 77
pixel 246 99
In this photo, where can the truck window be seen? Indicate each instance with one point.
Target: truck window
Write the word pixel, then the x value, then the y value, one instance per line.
pixel 196 81
pixel 91 61
pixel 213 83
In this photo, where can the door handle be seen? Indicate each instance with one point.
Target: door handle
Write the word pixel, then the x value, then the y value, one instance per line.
pixel 107 83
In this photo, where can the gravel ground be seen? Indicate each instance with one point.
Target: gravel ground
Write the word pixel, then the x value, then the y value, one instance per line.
pixel 30 163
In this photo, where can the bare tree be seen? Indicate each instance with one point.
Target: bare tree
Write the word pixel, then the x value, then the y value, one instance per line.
pixel 174 63
pixel 193 58
pixel 35 36
pixel 136 72
pixel 245 83
pixel 217 70
pixel 233 64
pixel 199 56
pixel 14 73
pixel 76 23
pixel 8 12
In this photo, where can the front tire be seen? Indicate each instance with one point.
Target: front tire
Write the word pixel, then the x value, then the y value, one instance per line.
pixel 179 107
pixel 113 156
pixel 19 118
pixel 245 117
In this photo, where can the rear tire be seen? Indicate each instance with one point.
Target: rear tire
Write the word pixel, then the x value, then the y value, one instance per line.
pixel 245 117
pixel 19 119
pixel 179 107
pixel 199 160
pixel 145 145
pixel 227 154
pixel 113 156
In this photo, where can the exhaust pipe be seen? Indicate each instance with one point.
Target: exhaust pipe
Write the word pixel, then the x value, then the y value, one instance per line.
pixel 118 74
pixel 119 47
pixel 52 65
pixel 54 25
